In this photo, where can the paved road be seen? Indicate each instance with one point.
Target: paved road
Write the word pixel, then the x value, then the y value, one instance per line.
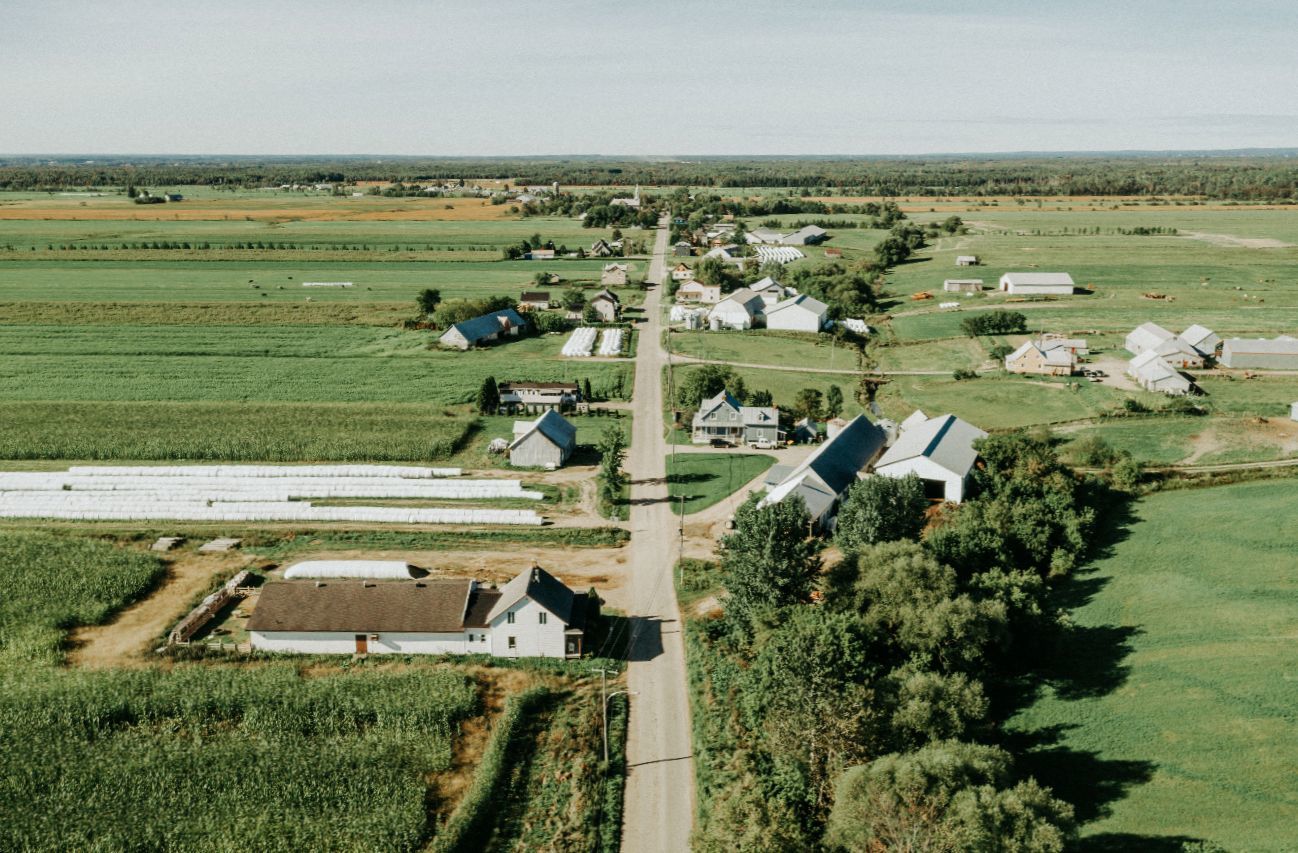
pixel 659 810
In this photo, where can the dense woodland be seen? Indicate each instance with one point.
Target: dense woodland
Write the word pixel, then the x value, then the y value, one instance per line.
pixel 1267 175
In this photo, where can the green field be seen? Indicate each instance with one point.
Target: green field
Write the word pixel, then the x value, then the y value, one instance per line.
pixel 762 347
pixel 1170 713
pixel 704 479
pixel 998 402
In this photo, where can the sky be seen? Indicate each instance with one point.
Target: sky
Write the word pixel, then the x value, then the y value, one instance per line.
pixel 671 78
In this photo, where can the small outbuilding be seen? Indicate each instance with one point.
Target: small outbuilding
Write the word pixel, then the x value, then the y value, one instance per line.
pixel 1152 372
pixel 607 305
pixel 534 300
pixel 802 313
pixel 1038 283
pixel 483 329
pixel 963 285
pixel 1203 339
pixel 682 249
pixel 546 442
pixel 740 310
pixel 966 260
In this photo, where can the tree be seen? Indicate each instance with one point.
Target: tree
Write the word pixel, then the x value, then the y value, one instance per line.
pixel 573 299
pixel 807 693
pixel 706 381
pixel 611 448
pixel 590 315
pixel 880 509
pixel 808 403
pixel 488 397
pixel 429 298
pixel 949 796
pixel 834 402
pixel 760 399
pixel 995 322
pixel 586 394
pixel 769 560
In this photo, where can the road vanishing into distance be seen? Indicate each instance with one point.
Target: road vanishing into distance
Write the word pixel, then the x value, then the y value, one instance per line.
pixel 659 804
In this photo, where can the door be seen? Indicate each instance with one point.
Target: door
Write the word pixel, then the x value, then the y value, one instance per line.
pixel 362 644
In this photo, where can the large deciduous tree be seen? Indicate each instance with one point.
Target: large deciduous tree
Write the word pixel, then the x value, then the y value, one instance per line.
pixel 769 561
pixel 880 509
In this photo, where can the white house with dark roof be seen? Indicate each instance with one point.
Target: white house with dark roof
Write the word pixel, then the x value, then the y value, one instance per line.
pixel 534 615
pixel 742 309
pixel 823 477
pixel 724 418
pixel 940 451
pixel 802 313
pixel 483 329
pixel 546 442
pixel 1037 283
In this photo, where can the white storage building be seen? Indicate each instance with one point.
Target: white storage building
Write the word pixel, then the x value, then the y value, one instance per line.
pixel 940 451
pixel 546 442
pixel 802 313
pixel 1037 283
pixel 740 310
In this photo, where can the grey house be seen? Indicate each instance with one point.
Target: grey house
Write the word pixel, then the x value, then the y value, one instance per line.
pixel 546 442
pixel 484 329
pixel 724 418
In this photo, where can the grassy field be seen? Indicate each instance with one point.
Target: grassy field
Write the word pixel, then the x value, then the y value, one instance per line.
pixel 762 347
pixel 998 402
pixel 704 479
pixel 1170 716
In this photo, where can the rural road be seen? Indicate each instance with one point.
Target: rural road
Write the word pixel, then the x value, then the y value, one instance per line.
pixel 659 801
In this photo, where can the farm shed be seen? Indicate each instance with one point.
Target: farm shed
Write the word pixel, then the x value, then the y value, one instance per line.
pixel 480 330
pixel 966 260
pixel 940 451
pixel 546 442
pixel 769 289
pixel 1031 357
pixel 802 313
pixel 826 474
pixel 541 255
pixel 358 569
pixel 1279 353
pixel 534 299
pixel 962 285
pixel 764 235
pixel 682 249
pixel 1203 339
pixel 740 310
pixel 534 615
pixel 808 235
pixel 1037 283
pixel 1153 373
pixel 613 274
pixel 1176 352
pixel 1146 336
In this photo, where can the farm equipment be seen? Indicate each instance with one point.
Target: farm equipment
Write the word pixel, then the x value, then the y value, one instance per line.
pixel 923 294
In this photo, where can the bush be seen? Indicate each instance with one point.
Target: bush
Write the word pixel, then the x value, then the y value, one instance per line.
pixel 995 322
pixel 961 373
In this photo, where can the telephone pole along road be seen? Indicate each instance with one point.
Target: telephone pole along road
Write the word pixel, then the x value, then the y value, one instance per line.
pixel 659 803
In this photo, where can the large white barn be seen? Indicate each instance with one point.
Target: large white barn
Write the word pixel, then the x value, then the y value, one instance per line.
pixel 534 615
pixel 1037 283
pixel 940 451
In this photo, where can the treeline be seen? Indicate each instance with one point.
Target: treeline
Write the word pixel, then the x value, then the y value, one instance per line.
pixel 851 709
pixel 1263 176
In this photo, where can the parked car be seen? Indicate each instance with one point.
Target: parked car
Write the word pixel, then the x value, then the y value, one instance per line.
pixel 721 442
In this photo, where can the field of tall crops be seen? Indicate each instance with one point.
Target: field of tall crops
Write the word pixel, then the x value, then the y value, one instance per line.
pixel 219 758
pixel 232 432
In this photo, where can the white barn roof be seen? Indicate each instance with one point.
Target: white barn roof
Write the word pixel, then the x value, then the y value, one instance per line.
pixel 946 440
pixel 371 569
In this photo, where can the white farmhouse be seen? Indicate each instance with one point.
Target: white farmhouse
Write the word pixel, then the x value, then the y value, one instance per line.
pixel 800 314
pixel 1037 283
pixel 534 615
pixel 740 310
pixel 940 451
pixel 697 291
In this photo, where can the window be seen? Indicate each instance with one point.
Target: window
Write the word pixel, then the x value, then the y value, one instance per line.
pixel 512 643
pixel 540 617
pixel 509 618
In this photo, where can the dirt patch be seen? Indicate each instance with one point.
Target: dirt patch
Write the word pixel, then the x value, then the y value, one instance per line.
pixel 1231 241
pixel 127 639
pixel 580 568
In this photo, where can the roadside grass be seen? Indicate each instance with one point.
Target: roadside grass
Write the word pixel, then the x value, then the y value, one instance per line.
pixel 704 479
pixel 1168 717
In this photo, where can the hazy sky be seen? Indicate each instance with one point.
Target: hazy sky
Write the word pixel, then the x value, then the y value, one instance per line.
pixel 645 77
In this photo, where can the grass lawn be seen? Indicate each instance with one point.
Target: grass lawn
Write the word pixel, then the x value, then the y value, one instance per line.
pixel 1170 716
pixel 785 384
pixel 762 347
pixel 998 402
pixel 704 479
pixel 945 355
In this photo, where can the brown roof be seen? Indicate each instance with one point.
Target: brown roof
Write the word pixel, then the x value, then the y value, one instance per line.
pixel 480 604
pixel 431 607
pixel 535 296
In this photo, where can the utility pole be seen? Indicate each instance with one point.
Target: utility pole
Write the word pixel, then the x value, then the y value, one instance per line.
pixel 603 701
